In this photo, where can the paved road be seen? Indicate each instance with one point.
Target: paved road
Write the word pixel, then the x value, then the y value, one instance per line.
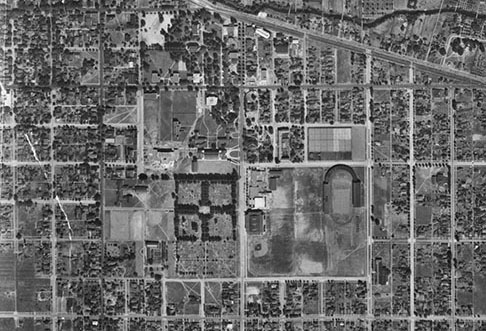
pixel 375 87
pixel 412 209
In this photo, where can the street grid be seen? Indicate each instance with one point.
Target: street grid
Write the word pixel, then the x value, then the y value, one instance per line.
pixel 369 164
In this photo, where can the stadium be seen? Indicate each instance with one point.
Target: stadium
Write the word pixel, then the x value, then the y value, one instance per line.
pixel 342 192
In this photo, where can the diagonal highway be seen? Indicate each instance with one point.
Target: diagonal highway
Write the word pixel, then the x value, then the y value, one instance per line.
pixel 335 41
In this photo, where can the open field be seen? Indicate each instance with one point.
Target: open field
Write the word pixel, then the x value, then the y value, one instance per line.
pixel 156 62
pixel 159 225
pixel 390 218
pixel 183 298
pixel 157 195
pixel 381 202
pixel 168 116
pixel 479 299
pixel 207 125
pixel 34 220
pixel 308 190
pixel 211 167
pixel 7 278
pixel 300 239
pixel 33 294
pixel 7 323
pixel 157 121
pixel 343 67
pixel 124 225
pixel 184 112
pixel 151 26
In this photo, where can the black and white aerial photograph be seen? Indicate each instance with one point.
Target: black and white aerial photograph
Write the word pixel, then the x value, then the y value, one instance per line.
pixel 243 165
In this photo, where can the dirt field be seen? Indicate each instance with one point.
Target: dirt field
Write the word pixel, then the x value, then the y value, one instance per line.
pixel 150 32
pixel 283 196
pixel 303 240
pixel 308 189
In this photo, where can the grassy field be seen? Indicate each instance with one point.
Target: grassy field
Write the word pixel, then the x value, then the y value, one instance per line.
pixel 212 294
pixel 184 296
pixel 92 75
pixel 124 225
pixel 341 194
pixel 159 225
pixel 157 118
pixel 7 279
pixel 160 112
pixel 28 291
pixel 166 115
pixel 160 194
pixel 219 167
pixel 465 254
pixel 157 196
pixel 7 324
pixel 479 300
pixel 343 66
pixel 381 197
pixel 184 110
pixel 206 125
pixel 116 196
pixel 28 218
pixel 158 62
